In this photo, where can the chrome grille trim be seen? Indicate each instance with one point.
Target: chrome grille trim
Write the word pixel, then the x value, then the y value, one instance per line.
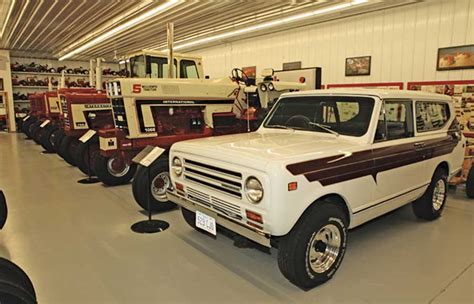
pixel 214 203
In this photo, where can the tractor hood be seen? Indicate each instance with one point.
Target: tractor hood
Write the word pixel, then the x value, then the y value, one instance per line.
pixel 258 149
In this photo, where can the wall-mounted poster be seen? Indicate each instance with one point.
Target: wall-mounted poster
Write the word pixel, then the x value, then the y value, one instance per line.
pixel 358 66
pixel 456 57
pixel 250 71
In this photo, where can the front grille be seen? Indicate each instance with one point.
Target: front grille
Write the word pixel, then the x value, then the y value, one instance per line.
pixel 214 203
pixel 120 117
pixel 67 122
pixel 219 179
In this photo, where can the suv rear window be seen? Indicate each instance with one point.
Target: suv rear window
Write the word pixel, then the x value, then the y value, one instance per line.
pixel 431 115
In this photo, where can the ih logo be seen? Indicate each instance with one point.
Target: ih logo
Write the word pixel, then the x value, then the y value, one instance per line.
pixel 111 143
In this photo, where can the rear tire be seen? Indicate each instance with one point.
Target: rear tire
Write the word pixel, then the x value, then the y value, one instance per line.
pixel 160 181
pixel 431 204
pixel 82 158
pixel 11 272
pixel 470 183
pixel 104 169
pixel 313 250
pixel 26 124
pixel 56 138
pixel 13 294
pixel 45 138
pixel 68 145
pixel 33 129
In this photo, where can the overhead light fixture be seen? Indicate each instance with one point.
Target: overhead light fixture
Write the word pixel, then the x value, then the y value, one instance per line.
pixel 7 18
pixel 269 24
pixel 148 14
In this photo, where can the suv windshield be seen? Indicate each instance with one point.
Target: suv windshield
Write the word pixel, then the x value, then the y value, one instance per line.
pixel 346 115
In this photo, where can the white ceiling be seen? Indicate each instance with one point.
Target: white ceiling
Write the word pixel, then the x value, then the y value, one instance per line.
pixel 45 28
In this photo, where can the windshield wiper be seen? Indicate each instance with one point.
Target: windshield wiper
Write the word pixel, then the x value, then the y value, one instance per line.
pixel 325 128
pixel 279 127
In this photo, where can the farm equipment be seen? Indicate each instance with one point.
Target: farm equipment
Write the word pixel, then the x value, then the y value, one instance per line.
pixel 160 112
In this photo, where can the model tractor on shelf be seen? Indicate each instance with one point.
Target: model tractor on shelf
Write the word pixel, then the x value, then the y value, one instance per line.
pixel 160 112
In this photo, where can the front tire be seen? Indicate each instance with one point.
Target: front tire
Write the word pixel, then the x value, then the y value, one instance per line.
pixel 82 157
pixel 45 138
pixel 56 138
pixel 470 183
pixel 160 182
pixel 431 204
pixel 113 171
pixel 313 250
pixel 67 148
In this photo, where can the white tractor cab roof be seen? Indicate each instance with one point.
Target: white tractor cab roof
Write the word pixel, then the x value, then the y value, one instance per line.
pixel 154 64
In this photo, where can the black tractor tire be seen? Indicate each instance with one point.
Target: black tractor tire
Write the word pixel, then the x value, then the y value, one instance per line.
pixel 85 153
pixel 141 186
pixel 470 183
pixel 110 178
pixel 13 294
pixel 35 130
pixel 45 138
pixel 32 129
pixel 55 138
pixel 3 210
pixel 11 272
pixel 425 207
pixel 297 249
pixel 27 123
pixel 67 148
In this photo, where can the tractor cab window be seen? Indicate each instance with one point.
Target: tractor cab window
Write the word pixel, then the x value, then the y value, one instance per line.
pixel 138 67
pixel 159 67
pixel 188 69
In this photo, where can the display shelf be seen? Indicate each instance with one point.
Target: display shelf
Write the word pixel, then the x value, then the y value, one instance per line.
pixel 33 87
pixel 59 74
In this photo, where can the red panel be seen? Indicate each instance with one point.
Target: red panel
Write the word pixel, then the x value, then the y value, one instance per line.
pixel 441 82
pixel 359 85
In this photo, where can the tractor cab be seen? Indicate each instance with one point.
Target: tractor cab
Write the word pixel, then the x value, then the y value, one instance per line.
pixel 154 64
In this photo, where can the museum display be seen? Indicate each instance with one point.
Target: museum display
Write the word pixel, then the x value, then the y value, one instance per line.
pixel 279 189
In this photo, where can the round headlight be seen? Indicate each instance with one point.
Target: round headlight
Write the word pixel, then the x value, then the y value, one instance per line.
pixel 177 166
pixel 253 189
pixel 263 87
pixel 271 87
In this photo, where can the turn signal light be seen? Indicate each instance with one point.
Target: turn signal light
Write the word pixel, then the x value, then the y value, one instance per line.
pixel 292 186
pixel 254 216
pixel 180 186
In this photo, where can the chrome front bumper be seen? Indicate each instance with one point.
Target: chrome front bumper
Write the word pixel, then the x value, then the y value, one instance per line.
pixel 245 231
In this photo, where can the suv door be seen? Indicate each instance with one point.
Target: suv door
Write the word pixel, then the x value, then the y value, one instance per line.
pixel 398 155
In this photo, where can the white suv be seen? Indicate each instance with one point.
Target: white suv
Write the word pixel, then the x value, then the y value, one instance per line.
pixel 321 162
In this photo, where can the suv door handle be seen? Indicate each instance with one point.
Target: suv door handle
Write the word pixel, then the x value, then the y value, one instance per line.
pixel 419 145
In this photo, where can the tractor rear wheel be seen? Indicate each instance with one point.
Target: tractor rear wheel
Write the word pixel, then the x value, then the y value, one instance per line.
pixel 157 185
pixel 45 138
pixel 56 138
pixel 470 183
pixel 67 148
pixel 85 156
pixel 113 171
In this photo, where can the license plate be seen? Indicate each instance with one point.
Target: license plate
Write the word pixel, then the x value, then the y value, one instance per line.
pixel 206 222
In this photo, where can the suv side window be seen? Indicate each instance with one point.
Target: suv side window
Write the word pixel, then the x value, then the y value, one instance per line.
pixel 431 115
pixel 395 120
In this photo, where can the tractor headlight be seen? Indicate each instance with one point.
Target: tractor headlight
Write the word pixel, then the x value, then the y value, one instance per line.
pixel 177 166
pixel 263 87
pixel 253 190
pixel 271 87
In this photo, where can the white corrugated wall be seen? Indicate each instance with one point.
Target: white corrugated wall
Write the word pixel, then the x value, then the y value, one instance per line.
pixel 403 43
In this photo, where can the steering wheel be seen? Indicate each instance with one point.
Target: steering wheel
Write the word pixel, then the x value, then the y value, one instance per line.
pixel 299 121
pixel 239 76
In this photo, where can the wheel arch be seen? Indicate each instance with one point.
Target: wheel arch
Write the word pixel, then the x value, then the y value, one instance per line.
pixel 443 166
pixel 335 199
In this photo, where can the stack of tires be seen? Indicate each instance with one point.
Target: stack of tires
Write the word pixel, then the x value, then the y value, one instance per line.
pixel 15 285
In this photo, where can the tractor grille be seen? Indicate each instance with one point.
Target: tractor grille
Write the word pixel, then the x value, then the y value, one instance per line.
pixel 214 203
pixel 67 121
pixel 222 180
pixel 120 116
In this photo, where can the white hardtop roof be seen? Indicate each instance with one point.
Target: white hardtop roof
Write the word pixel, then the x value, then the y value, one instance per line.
pixel 164 54
pixel 381 93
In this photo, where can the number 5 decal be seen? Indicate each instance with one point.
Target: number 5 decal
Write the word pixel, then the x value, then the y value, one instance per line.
pixel 137 88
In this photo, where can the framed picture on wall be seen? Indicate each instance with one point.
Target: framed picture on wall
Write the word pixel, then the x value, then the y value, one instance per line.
pixel 455 58
pixel 358 66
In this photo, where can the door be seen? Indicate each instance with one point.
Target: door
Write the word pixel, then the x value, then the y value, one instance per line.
pixel 398 155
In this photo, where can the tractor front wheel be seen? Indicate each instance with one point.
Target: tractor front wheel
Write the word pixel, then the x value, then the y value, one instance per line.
pixel 113 171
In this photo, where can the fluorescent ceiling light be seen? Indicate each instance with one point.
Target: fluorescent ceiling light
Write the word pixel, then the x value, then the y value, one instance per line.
pixel 269 24
pixel 122 27
pixel 12 4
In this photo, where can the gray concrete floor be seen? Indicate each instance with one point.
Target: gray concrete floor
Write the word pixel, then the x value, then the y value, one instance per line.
pixel 75 242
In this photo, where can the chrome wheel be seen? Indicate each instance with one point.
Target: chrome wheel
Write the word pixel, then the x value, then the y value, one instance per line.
pixel 324 248
pixel 159 184
pixel 439 194
pixel 117 167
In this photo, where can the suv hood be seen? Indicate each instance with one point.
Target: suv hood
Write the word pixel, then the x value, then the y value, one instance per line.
pixel 257 149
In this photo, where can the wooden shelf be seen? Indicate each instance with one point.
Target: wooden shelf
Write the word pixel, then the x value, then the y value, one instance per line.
pixel 59 74
pixel 33 87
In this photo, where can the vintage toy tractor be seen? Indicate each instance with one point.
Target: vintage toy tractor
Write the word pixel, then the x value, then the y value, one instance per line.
pixel 160 112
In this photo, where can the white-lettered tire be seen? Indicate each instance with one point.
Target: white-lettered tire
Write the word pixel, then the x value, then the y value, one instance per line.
pixel 431 204
pixel 160 181
pixel 313 250
pixel 113 171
